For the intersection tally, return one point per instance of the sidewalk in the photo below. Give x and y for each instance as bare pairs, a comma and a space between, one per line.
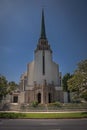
43, 111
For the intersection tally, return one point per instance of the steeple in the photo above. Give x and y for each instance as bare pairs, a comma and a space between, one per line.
43, 42
43, 33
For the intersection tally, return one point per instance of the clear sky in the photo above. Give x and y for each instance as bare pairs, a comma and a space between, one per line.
20, 24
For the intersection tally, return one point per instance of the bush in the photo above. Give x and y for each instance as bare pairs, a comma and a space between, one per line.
11, 115
22, 107
34, 104
58, 104
55, 104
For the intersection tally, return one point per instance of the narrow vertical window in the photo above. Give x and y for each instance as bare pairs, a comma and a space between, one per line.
43, 63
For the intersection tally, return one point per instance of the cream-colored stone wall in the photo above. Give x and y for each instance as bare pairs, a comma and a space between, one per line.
21, 97
30, 73
35, 70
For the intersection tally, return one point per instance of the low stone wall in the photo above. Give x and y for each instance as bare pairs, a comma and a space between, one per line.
42, 108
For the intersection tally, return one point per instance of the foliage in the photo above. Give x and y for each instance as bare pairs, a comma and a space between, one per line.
11, 115
82, 67
44, 115
22, 107
12, 86
3, 86
34, 104
78, 83
66, 77
54, 104
6, 87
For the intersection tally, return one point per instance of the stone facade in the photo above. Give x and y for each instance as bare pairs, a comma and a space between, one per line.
45, 93
42, 81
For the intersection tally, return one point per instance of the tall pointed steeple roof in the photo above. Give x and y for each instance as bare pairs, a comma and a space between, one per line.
43, 42
43, 33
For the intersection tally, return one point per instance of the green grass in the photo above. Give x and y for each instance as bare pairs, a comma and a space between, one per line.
43, 115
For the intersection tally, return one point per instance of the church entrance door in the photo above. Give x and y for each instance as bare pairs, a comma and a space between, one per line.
15, 99
39, 97
49, 97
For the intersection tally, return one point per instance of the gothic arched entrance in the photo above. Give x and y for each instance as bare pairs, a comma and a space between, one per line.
39, 97
49, 98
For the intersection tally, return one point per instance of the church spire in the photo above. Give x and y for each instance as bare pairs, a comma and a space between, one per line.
43, 42
43, 33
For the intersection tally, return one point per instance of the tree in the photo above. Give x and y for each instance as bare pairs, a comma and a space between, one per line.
3, 86
66, 77
12, 86
6, 87
78, 83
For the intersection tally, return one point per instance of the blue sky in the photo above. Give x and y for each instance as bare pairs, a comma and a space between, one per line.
20, 22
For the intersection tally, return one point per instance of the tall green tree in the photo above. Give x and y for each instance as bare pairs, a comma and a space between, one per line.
12, 86
3, 86
65, 79
78, 83
6, 87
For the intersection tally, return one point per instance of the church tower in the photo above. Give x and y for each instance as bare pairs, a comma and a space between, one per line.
44, 67
43, 76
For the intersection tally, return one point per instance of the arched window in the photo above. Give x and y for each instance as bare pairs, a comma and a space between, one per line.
39, 97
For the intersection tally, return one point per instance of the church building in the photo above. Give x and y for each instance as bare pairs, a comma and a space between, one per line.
42, 81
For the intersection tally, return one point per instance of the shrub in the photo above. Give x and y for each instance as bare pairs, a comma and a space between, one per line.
58, 104
22, 107
11, 115
34, 104
54, 104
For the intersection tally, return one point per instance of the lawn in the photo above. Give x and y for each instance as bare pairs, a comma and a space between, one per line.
43, 115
